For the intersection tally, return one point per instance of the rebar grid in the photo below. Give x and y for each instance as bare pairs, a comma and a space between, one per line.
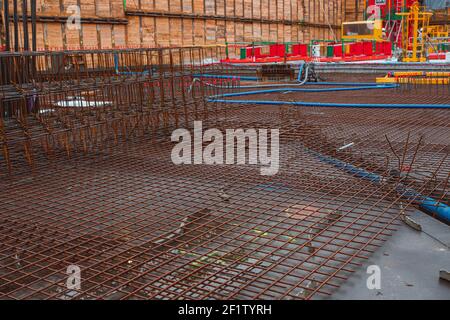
108, 198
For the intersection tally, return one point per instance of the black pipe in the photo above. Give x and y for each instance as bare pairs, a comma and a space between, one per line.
26, 46
16, 27
33, 25
7, 41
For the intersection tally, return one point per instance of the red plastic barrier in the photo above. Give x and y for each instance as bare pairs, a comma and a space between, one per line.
277, 50
387, 48
368, 48
379, 48
437, 56
300, 50
337, 50
256, 53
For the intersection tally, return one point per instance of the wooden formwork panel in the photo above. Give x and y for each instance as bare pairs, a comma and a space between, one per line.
103, 8
230, 32
119, 36
272, 10
257, 33
248, 32
105, 35
148, 32
265, 9
90, 36
210, 7
87, 8
53, 36
161, 5
66, 5
239, 8
133, 32
199, 32
134, 5
229, 10
239, 32
175, 6
117, 10
265, 31
220, 7
210, 32
248, 9
188, 32
187, 6
199, 6
273, 32
72, 37
220, 31
176, 32
280, 9
162, 31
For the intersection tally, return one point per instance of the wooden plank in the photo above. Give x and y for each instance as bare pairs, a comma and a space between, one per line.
188, 32
175, 6
176, 32
87, 8
162, 6
133, 32
102, 8
220, 7
54, 36
90, 36
239, 8
210, 35
248, 32
148, 32
257, 33
72, 38
199, 6
187, 6
199, 32
210, 7
220, 32
162, 31
119, 36
265, 9
105, 36
248, 9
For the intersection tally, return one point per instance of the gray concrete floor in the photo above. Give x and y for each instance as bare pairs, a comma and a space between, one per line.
410, 262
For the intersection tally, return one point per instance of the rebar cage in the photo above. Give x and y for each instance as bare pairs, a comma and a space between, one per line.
87, 181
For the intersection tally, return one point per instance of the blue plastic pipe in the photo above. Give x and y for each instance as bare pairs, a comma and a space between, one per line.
246, 93
335, 105
441, 210
220, 76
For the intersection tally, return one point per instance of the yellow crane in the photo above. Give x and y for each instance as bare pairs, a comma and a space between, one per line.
414, 23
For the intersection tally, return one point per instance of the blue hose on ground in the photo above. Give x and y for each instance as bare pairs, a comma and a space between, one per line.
287, 88
365, 86
441, 210
336, 105
220, 76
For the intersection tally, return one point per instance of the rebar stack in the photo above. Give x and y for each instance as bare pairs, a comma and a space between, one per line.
87, 180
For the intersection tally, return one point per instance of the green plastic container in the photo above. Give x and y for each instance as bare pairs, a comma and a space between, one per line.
330, 51
243, 53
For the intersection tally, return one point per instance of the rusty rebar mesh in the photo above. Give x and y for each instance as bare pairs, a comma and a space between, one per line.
99, 191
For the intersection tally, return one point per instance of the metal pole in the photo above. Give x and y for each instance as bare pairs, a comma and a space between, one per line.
16, 27
33, 25
26, 47
7, 41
